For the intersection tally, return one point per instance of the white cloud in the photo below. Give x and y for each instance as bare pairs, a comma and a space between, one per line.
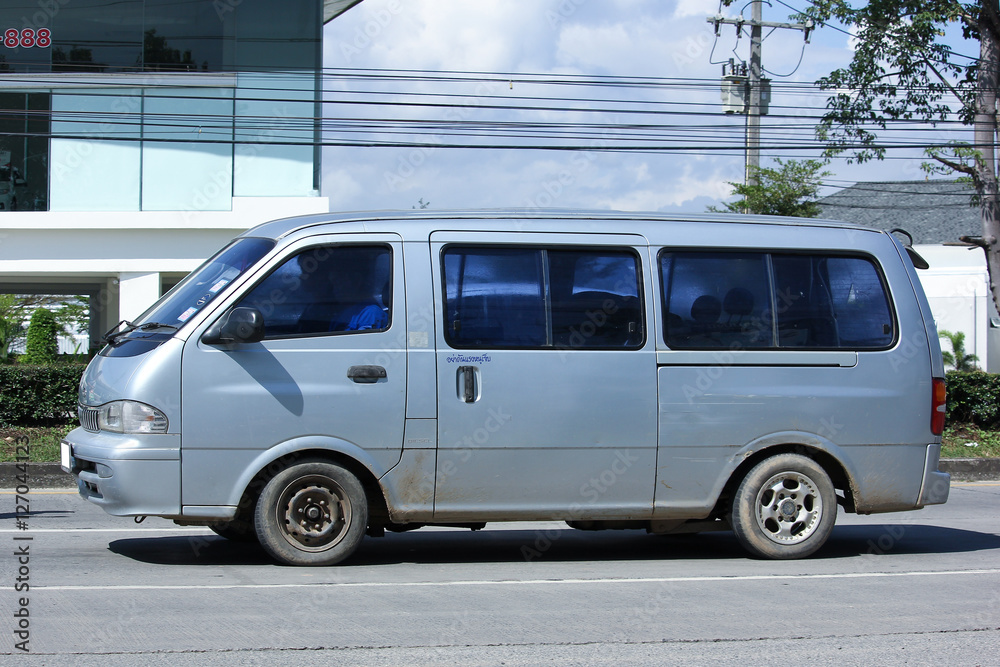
341, 186
640, 172
588, 47
691, 189
494, 35
699, 8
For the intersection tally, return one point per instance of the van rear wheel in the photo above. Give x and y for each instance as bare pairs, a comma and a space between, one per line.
312, 513
784, 508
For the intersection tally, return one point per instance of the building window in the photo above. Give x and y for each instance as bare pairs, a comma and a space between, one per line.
24, 151
154, 146
161, 36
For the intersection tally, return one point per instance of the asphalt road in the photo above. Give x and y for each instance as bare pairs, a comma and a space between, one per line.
909, 588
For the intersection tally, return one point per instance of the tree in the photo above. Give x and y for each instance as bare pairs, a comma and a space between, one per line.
42, 345
11, 325
158, 55
72, 315
902, 69
958, 358
789, 189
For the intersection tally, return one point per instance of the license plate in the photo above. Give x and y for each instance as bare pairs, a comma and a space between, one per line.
66, 456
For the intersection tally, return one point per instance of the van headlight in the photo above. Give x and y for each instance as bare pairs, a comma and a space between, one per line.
130, 417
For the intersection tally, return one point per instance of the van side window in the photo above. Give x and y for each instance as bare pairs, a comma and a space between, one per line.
324, 290
859, 302
737, 300
716, 300
595, 299
542, 298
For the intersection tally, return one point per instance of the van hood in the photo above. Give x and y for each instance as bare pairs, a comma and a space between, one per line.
114, 378
106, 379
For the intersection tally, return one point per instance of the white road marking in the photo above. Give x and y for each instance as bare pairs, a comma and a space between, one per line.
179, 529
525, 582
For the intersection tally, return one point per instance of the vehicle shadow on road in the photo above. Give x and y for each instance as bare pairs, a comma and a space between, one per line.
190, 550
888, 539
5, 516
447, 546
557, 545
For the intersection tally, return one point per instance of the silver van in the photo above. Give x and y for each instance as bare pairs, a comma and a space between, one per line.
326, 377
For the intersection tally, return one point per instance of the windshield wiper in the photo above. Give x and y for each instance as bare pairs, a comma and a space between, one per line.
111, 338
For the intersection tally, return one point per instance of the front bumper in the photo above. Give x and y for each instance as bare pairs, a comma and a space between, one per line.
126, 475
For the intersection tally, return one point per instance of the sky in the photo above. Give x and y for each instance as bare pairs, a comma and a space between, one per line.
528, 52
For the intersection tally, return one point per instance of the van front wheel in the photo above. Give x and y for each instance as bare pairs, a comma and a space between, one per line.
313, 513
784, 508
236, 530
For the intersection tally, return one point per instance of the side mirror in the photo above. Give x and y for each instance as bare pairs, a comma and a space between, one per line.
20, 182
239, 325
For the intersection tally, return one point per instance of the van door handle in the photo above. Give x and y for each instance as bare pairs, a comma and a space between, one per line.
366, 374
468, 383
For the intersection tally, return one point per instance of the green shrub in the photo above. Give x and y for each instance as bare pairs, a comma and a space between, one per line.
38, 394
974, 398
42, 346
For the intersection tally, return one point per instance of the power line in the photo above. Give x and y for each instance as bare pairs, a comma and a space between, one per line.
408, 117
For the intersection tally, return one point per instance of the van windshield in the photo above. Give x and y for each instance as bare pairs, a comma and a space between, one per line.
204, 284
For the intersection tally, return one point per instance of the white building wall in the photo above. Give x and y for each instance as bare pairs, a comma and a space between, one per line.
957, 288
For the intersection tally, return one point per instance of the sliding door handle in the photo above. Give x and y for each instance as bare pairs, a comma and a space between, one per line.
468, 383
366, 374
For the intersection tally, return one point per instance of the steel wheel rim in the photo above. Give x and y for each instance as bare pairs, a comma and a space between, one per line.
789, 507
314, 513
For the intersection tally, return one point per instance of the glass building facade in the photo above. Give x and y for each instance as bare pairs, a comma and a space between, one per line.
159, 105
160, 35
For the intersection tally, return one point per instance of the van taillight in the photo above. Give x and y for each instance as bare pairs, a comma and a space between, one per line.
939, 404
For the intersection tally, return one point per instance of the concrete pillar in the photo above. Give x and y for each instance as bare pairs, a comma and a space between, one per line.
136, 293
97, 318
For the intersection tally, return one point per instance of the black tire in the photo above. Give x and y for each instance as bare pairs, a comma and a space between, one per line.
784, 508
312, 513
241, 527
236, 530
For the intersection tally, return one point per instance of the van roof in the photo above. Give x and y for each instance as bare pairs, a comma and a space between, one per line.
559, 220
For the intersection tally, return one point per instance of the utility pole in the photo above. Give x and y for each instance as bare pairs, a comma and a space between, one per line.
753, 107
753, 115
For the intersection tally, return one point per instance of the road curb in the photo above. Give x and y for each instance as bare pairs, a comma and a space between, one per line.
51, 476
971, 470
40, 476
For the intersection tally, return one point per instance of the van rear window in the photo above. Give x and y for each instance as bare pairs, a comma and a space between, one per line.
517, 297
759, 300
